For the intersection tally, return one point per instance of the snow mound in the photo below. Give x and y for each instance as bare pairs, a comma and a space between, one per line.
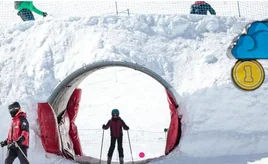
186, 50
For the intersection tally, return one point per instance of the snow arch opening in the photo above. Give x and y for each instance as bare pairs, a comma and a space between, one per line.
57, 134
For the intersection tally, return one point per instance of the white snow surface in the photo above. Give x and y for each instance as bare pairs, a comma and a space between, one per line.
221, 123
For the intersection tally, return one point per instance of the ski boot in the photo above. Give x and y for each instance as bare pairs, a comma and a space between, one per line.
121, 160
109, 160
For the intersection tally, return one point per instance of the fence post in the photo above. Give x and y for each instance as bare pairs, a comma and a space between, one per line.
128, 12
238, 7
116, 9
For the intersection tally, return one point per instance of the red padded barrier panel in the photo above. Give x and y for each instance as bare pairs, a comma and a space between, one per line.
72, 108
49, 129
67, 144
174, 131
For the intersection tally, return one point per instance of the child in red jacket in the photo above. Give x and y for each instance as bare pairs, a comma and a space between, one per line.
116, 124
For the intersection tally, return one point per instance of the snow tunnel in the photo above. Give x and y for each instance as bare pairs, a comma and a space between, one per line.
57, 116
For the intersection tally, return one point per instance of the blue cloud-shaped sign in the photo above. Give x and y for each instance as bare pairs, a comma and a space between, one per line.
253, 44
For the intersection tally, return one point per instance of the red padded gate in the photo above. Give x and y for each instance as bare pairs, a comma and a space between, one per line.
67, 144
174, 132
72, 108
49, 129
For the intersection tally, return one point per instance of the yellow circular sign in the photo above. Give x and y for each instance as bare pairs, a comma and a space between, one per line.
248, 75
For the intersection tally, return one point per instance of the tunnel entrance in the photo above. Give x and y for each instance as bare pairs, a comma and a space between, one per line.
57, 115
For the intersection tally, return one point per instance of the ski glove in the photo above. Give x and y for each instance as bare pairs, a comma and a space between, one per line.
165, 130
103, 126
3, 143
44, 14
11, 146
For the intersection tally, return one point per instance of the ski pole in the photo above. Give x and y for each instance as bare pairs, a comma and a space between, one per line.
2, 155
130, 147
101, 145
21, 151
165, 130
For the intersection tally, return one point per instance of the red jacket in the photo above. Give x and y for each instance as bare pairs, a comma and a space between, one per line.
19, 130
199, 2
115, 126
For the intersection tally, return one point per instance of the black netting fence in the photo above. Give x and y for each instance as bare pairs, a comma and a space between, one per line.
248, 9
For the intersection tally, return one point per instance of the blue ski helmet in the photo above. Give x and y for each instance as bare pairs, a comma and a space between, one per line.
115, 111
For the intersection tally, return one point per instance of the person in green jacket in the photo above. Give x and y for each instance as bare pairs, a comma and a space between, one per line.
25, 9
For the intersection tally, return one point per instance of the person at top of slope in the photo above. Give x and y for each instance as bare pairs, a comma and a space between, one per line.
115, 124
201, 8
25, 9
17, 141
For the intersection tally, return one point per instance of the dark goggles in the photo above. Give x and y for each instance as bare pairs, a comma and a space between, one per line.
14, 109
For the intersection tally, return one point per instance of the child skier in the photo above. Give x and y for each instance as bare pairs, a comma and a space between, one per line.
17, 141
115, 124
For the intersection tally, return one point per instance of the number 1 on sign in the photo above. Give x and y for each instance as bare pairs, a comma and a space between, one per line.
248, 75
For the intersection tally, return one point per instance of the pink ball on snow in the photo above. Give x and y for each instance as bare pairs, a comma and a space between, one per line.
141, 154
